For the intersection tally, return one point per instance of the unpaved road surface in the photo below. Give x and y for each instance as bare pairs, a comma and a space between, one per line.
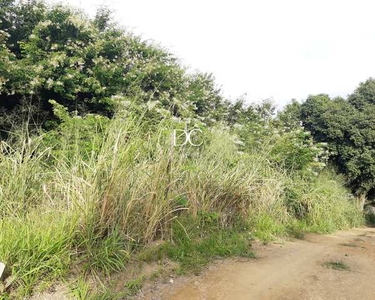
289, 270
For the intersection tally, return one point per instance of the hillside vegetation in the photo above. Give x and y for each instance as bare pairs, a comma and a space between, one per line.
89, 177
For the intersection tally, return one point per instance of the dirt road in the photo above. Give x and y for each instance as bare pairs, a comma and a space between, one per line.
288, 270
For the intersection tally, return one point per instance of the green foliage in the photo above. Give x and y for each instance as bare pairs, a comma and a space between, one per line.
38, 247
104, 253
348, 128
80, 289
328, 205
91, 66
290, 116
133, 286
75, 136
103, 18
196, 242
88, 175
134, 188
289, 146
266, 227
363, 97
308, 204
296, 151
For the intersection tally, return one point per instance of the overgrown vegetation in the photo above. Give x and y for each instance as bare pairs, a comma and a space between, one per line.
195, 242
66, 205
88, 175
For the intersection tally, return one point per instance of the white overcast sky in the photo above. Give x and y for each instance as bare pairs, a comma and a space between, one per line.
265, 48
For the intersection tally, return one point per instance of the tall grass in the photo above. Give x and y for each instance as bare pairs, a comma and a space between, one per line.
92, 201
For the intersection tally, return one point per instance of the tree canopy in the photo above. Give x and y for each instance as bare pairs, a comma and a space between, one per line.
348, 126
90, 66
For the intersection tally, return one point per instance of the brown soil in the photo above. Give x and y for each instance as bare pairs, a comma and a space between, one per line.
289, 270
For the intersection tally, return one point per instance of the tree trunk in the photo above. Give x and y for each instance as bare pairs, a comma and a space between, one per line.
362, 200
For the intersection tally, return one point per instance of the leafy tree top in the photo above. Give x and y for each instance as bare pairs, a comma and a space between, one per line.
92, 66
348, 126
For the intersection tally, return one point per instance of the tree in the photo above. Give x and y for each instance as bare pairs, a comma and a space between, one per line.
364, 95
290, 116
102, 18
348, 126
90, 66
